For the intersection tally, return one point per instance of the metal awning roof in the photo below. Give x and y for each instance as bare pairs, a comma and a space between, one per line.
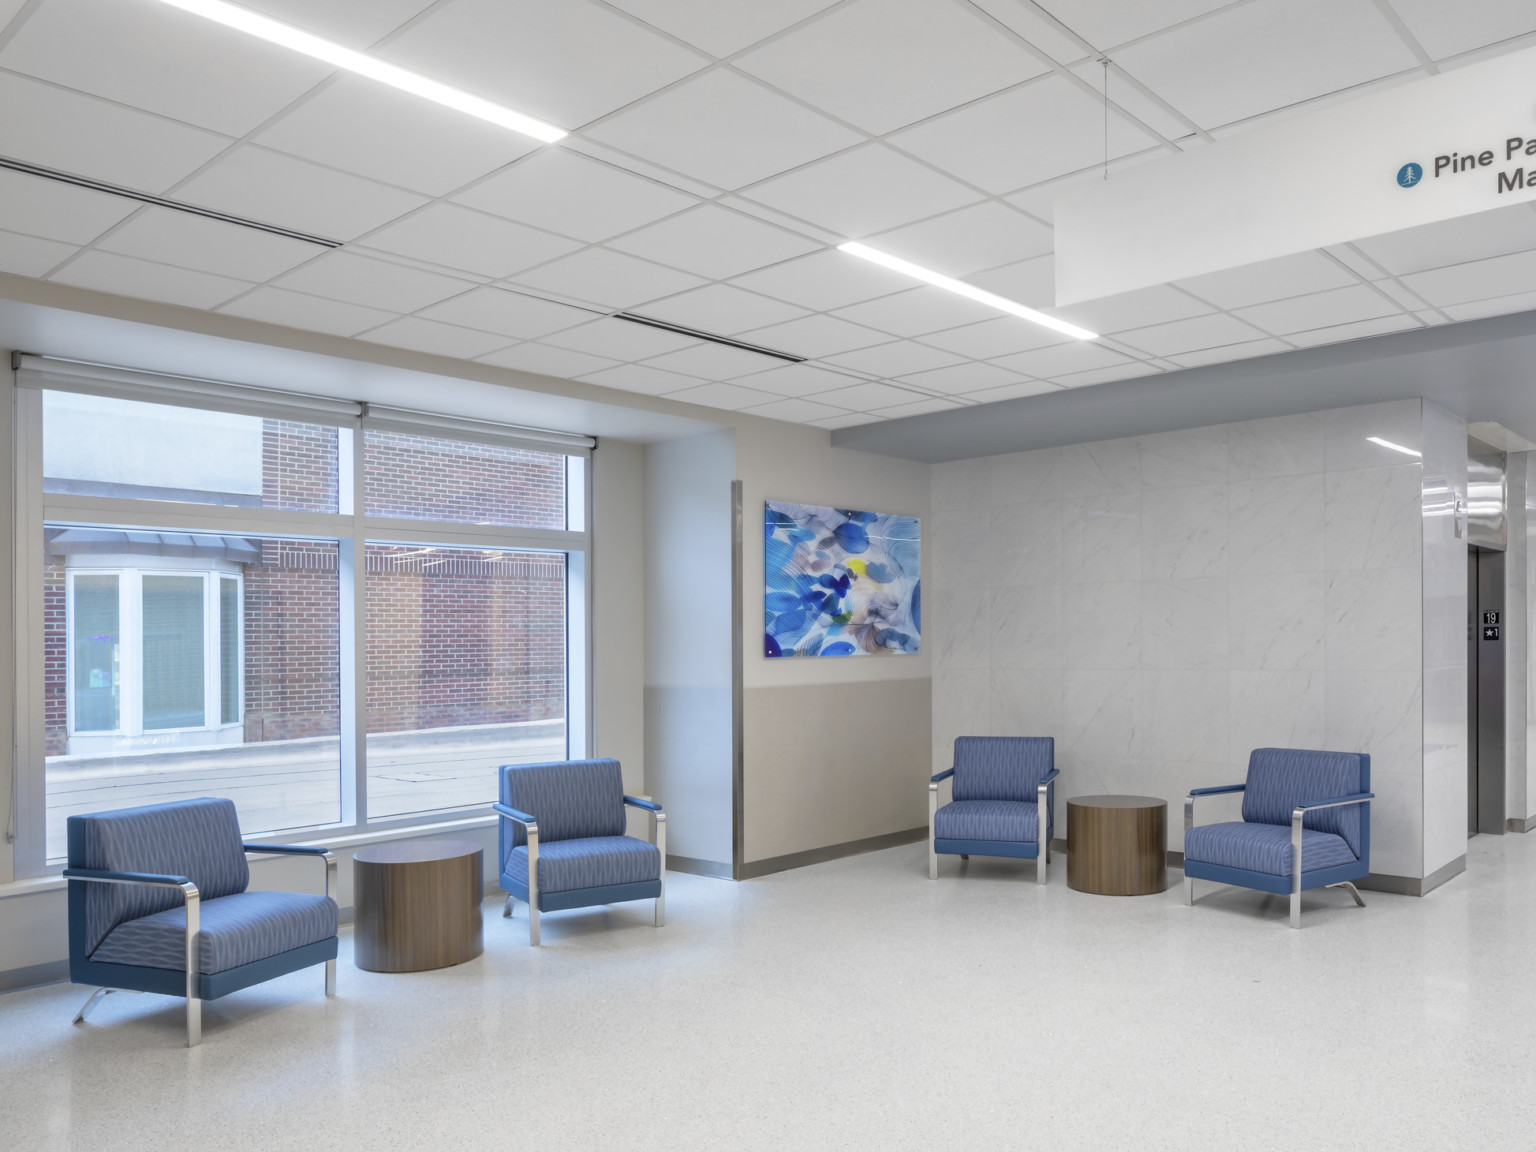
116, 542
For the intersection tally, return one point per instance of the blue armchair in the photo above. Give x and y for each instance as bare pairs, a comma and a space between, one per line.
1306, 824
562, 841
1003, 793
158, 903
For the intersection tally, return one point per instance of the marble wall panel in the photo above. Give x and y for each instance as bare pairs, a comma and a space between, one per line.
1099, 468
1364, 521
1275, 525
1184, 459
1277, 622
1276, 446
1347, 433
1184, 532
1184, 625
1101, 538
1027, 627
1026, 544
1025, 477
1102, 625
1275, 710
1373, 619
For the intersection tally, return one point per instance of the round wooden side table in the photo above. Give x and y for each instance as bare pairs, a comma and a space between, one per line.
1117, 845
417, 905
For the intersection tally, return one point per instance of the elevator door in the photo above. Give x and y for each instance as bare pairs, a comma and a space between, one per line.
1485, 691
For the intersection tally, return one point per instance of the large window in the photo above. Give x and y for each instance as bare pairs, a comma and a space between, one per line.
218, 617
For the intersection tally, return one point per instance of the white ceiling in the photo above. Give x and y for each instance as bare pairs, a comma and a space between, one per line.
719, 149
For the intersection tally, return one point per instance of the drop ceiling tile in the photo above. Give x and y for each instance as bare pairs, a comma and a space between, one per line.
640, 378
899, 358
869, 189
1357, 330
721, 27
728, 396
547, 361
920, 407
1014, 391
1448, 29
1319, 310
1188, 335
722, 310
1076, 356
462, 238
1139, 309
154, 57
1253, 58
714, 362
1029, 282
29, 256
848, 421
1475, 237
1105, 375
880, 64
565, 63
143, 280
700, 128
1498, 306
570, 194
1297, 275
310, 313
796, 380
1041, 199
1108, 23
608, 279
1042, 130
57, 211
372, 283
276, 188
1230, 352
1133, 101
208, 245
959, 243
794, 411
355, 23
962, 379
917, 311
619, 339
1356, 261
373, 131
1475, 280
1001, 336
88, 136
1035, 26
714, 242
507, 313
869, 397
816, 336
824, 281
437, 339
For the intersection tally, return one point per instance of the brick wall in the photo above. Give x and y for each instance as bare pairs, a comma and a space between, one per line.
423, 477
55, 661
292, 641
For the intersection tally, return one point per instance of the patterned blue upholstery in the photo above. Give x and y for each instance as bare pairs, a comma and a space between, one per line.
596, 862
570, 799
198, 839
1011, 820
1264, 847
1281, 778
1001, 767
234, 930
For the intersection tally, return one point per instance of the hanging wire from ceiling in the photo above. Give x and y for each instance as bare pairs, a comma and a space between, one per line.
1105, 61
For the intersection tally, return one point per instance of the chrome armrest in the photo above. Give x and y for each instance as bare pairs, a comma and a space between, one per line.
1299, 814
1189, 801
302, 850
1043, 815
531, 829
658, 824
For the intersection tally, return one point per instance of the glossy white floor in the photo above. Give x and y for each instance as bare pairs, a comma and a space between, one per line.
850, 1005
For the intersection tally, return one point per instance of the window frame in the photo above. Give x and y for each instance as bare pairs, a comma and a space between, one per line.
350, 527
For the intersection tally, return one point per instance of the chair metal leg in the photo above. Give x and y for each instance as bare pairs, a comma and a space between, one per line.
193, 966
194, 1021
1189, 891
330, 977
1042, 862
933, 807
1353, 891
89, 1006
661, 909
1296, 909
1297, 815
963, 856
506, 909
659, 838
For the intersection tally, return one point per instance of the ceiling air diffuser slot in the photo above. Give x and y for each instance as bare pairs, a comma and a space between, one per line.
159, 201
710, 336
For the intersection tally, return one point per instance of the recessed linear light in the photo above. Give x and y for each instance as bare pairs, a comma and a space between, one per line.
1394, 447
160, 201
961, 288
287, 36
668, 326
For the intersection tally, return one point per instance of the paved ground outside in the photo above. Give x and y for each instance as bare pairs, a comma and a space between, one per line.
297, 783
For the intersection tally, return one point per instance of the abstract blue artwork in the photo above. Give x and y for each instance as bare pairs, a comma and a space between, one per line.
841, 582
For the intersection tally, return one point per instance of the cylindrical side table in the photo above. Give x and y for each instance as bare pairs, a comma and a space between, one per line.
417, 905
1117, 845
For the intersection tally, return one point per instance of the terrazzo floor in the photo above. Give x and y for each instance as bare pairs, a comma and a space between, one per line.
851, 1005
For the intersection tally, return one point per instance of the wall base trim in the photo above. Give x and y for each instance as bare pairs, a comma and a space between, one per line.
35, 976
1413, 885
695, 867
752, 869
1516, 824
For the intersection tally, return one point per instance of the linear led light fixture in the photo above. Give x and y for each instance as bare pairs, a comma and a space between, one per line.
667, 326
1395, 447
287, 36
159, 201
961, 288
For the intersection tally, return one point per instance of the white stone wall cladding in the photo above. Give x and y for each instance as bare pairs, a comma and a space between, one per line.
1166, 603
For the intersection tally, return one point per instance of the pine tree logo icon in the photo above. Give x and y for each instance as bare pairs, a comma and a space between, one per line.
1410, 174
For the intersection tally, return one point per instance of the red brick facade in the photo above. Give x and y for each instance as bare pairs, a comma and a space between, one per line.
425, 478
